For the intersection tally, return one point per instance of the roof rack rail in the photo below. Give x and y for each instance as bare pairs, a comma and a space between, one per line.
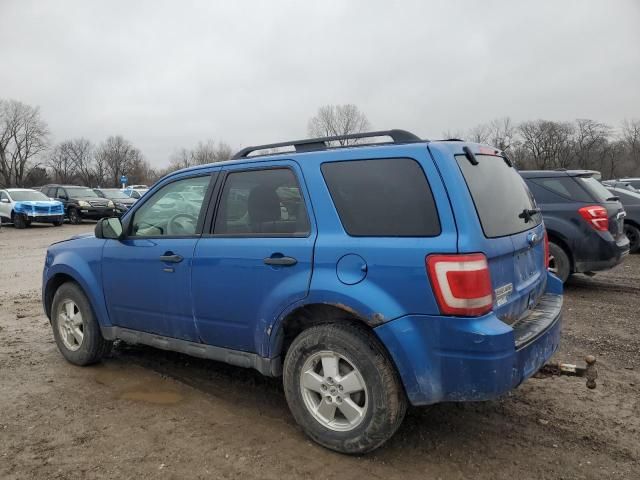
321, 143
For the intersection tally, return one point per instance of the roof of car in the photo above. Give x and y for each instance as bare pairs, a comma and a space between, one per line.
20, 189
556, 173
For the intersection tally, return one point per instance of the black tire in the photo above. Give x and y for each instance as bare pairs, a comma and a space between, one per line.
93, 345
386, 402
19, 221
633, 234
58, 223
74, 216
559, 262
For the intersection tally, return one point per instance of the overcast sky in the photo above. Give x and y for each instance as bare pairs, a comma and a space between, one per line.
168, 74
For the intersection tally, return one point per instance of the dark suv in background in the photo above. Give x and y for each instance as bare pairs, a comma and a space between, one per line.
80, 202
584, 221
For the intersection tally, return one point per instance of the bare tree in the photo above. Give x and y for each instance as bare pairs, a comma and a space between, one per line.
502, 134
23, 136
118, 157
210, 152
546, 144
479, 134
61, 163
589, 142
631, 140
335, 120
81, 153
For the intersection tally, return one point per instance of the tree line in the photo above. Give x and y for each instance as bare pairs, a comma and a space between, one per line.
29, 158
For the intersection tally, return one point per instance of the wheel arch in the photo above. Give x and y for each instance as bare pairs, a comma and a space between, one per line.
304, 316
559, 240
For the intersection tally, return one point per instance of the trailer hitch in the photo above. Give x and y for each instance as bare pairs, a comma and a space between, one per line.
556, 369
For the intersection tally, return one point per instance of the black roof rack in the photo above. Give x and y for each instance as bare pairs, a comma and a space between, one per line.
321, 143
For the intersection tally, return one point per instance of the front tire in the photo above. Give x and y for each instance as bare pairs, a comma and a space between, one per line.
19, 221
559, 263
58, 223
74, 216
342, 389
633, 234
75, 328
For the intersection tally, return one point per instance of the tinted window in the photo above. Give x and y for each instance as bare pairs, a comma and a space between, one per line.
172, 210
61, 193
262, 202
593, 186
382, 198
564, 187
500, 196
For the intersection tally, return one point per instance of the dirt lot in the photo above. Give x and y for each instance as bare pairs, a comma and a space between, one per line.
144, 413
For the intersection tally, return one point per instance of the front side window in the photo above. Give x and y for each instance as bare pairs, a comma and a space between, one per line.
172, 211
262, 203
382, 198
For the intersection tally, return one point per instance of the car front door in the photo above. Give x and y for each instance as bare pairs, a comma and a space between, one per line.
256, 259
147, 275
5, 205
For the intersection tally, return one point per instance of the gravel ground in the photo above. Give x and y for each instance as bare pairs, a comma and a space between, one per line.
144, 413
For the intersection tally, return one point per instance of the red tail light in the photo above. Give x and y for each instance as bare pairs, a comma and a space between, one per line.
546, 249
461, 283
596, 216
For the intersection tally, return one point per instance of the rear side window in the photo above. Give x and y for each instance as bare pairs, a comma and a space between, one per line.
593, 186
565, 187
382, 198
502, 199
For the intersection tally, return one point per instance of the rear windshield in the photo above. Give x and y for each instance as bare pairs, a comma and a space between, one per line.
595, 188
502, 199
382, 198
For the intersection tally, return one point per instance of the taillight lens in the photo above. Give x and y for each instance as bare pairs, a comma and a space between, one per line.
461, 283
596, 216
546, 249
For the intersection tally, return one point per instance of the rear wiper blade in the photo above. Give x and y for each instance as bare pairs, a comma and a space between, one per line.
613, 199
528, 213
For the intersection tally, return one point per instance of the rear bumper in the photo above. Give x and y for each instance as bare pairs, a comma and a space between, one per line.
603, 254
469, 359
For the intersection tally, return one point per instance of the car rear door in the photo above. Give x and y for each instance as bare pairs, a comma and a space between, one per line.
257, 257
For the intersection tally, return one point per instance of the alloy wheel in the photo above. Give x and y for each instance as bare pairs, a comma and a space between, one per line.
334, 391
70, 325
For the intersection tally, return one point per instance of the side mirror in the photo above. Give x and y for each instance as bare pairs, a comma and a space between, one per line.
110, 228
5, 200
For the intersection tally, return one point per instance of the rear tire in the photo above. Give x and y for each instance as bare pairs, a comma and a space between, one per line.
74, 216
633, 234
342, 389
559, 263
75, 328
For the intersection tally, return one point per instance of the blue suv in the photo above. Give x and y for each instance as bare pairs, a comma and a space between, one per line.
368, 276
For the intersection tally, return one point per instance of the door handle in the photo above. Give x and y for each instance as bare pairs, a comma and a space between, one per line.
171, 258
281, 261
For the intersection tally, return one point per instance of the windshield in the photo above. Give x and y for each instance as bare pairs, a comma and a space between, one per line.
503, 201
595, 188
81, 192
113, 193
28, 196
